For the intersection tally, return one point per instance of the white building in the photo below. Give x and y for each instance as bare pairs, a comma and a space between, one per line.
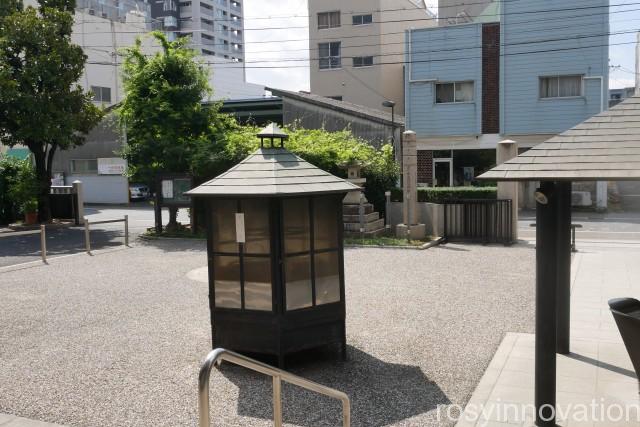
357, 48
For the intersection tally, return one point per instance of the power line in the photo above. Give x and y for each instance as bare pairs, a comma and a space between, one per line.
404, 62
475, 47
402, 32
309, 49
413, 20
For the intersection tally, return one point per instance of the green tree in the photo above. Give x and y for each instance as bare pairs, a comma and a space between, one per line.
168, 129
41, 105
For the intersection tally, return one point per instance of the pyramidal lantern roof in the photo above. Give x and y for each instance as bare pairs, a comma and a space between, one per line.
604, 147
273, 171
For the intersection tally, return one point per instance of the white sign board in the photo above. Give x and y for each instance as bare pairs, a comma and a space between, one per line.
112, 166
240, 228
167, 189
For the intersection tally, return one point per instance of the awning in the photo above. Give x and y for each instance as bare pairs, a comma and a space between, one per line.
19, 153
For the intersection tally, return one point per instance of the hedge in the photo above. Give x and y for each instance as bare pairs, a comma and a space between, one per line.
440, 194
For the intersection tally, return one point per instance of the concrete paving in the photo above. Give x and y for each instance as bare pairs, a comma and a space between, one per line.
117, 339
596, 382
7, 420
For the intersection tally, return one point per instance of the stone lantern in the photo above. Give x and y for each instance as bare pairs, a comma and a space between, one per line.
275, 252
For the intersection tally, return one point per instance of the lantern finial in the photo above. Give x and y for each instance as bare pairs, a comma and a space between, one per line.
272, 132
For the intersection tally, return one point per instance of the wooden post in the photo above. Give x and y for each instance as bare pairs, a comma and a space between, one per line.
563, 242
87, 238
43, 243
546, 312
126, 230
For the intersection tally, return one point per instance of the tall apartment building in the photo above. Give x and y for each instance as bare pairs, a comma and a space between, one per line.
216, 27
357, 48
115, 10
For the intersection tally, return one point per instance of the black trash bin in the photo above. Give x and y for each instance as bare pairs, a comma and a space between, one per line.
626, 312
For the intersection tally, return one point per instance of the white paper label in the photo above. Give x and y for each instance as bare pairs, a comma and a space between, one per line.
167, 189
240, 228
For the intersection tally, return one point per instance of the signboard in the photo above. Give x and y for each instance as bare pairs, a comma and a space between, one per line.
167, 189
172, 190
112, 166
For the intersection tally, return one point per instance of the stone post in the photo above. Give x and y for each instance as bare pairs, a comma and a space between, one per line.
602, 196
78, 190
507, 150
411, 222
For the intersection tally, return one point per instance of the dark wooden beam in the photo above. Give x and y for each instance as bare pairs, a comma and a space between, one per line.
563, 257
546, 296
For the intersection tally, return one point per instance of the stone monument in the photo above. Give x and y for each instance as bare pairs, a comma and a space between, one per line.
359, 216
411, 227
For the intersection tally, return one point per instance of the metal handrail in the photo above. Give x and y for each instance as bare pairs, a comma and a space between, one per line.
43, 238
278, 375
87, 230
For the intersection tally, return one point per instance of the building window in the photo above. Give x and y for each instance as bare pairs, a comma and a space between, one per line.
454, 92
328, 20
330, 56
362, 19
336, 97
101, 94
84, 166
362, 61
560, 86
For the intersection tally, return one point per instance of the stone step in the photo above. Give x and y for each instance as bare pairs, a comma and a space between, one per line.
373, 233
369, 226
373, 216
355, 209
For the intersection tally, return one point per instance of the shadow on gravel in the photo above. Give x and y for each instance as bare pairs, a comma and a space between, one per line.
381, 393
60, 241
174, 245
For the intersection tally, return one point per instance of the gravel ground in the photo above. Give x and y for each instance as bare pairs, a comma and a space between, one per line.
116, 339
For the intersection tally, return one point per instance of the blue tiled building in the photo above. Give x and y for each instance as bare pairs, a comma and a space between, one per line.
523, 70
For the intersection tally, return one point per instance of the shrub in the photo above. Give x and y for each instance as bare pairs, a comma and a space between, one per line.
18, 188
331, 151
441, 194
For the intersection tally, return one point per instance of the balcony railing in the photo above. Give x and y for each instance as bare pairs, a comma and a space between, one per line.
206, 11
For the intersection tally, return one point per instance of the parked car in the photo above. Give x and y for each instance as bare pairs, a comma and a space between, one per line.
138, 192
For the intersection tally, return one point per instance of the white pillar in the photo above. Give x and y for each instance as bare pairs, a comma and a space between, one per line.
507, 150
602, 195
638, 64
77, 188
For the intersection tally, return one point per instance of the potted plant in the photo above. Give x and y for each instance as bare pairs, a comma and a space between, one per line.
30, 209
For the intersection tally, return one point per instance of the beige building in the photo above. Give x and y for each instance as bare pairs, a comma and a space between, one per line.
357, 48
454, 12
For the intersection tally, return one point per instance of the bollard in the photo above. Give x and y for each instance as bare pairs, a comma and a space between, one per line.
126, 230
361, 215
387, 210
43, 243
277, 401
87, 240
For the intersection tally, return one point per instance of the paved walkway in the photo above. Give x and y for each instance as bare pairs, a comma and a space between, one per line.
596, 382
7, 420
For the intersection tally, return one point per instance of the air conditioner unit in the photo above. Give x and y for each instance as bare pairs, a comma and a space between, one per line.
581, 198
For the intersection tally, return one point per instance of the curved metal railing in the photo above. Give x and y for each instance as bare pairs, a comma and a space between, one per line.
218, 355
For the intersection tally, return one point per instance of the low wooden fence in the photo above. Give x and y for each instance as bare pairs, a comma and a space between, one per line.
479, 221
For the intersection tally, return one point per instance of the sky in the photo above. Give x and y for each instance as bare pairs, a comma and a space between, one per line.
287, 20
